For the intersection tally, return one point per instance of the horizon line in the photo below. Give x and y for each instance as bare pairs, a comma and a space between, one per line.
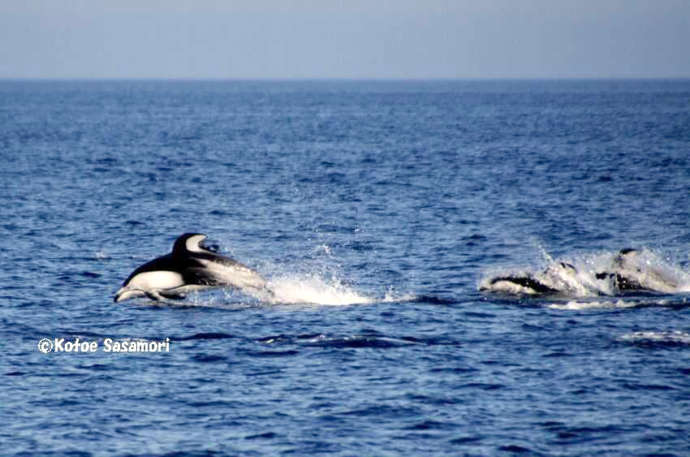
338, 79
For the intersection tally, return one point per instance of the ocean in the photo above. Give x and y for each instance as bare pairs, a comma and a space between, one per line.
384, 216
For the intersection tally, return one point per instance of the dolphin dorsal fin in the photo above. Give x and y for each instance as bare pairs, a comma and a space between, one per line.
189, 242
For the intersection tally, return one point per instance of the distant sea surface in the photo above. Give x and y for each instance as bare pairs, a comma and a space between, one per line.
374, 210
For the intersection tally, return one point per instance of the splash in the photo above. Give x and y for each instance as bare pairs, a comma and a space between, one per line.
311, 289
613, 274
316, 280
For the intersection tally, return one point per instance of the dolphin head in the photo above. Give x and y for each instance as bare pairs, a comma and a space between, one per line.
125, 293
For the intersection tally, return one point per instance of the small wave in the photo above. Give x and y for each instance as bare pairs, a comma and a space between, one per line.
663, 338
102, 255
209, 358
271, 354
428, 299
594, 304
205, 336
283, 339
364, 340
579, 305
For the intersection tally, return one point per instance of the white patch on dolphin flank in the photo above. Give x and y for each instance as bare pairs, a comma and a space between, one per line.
156, 280
506, 286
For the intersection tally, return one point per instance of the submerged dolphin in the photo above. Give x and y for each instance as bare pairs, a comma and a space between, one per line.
190, 266
629, 272
531, 284
518, 285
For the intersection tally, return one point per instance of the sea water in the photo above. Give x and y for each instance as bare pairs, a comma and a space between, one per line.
374, 210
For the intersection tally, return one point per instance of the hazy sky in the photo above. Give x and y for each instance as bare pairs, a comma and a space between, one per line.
344, 39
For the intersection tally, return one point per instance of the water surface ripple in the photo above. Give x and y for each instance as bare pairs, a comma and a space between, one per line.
378, 207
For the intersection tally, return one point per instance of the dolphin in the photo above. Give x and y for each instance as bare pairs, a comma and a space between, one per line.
548, 282
190, 266
630, 274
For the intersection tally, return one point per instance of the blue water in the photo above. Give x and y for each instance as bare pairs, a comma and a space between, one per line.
376, 209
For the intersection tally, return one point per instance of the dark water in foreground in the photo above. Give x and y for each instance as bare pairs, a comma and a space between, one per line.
375, 210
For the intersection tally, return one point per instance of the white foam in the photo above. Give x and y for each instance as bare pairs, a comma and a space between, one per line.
316, 290
102, 255
675, 336
313, 290
594, 304
392, 296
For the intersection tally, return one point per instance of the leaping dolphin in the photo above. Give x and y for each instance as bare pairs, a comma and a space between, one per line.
190, 266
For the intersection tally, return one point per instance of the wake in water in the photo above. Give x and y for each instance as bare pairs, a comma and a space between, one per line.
313, 289
628, 272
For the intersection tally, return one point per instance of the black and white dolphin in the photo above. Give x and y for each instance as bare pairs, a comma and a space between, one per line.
629, 274
190, 266
549, 282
